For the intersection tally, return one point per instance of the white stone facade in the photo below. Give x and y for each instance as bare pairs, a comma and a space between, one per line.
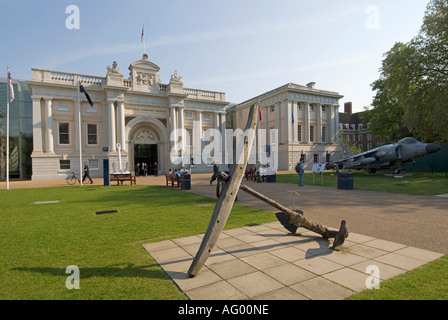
307, 120
139, 113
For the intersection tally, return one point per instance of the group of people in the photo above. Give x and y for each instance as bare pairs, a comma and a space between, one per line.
143, 169
177, 172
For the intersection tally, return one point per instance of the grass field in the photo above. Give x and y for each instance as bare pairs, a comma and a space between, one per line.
417, 183
39, 241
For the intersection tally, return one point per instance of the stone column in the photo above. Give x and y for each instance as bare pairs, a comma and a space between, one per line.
319, 123
296, 122
331, 126
112, 135
121, 135
306, 111
173, 125
336, 116
180, 118
49, 146
288, 120
37, 126
278, 118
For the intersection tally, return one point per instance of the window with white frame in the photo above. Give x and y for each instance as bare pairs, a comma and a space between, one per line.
63, 106
64, 133
311, 133
64, 164
92, 134
188, 115
91, 109
324, 134
207, 117
93, 164
299, 133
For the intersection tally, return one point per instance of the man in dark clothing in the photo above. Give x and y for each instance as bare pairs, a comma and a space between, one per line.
86, 173
215, 172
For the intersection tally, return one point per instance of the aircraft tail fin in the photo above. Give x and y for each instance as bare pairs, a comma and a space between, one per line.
346, 152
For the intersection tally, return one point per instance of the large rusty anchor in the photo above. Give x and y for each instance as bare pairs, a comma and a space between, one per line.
227, 190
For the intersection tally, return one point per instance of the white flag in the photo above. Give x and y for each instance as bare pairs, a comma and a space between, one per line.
11, 89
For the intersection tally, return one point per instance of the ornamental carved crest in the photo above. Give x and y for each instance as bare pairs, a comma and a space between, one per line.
146, 135
145, 79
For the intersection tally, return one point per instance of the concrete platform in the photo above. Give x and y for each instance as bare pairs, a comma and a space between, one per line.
265, 262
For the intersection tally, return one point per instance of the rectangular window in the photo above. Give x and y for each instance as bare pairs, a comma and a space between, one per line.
93, 164
189, 137
91, 109
316, 158
92, 134
311, 133
299, 133
63, 106
207, 117
64, 133
64, 164
188, 115
324, 134
324, 109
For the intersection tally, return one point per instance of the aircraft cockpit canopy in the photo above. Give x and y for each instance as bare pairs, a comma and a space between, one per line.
408, 141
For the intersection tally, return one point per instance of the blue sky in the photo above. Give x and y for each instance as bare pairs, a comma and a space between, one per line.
241, 47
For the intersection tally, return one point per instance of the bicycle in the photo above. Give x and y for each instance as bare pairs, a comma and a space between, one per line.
71, 180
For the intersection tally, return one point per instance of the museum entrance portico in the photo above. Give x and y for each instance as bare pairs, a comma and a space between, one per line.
148, 143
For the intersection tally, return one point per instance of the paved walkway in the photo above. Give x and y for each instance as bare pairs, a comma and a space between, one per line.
393, 233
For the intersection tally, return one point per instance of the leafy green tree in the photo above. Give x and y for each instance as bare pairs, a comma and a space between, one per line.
411, 93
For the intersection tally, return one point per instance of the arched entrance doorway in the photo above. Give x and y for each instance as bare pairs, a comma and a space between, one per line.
146, 144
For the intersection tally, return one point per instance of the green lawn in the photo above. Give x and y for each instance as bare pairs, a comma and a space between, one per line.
417, 183
429, 282
39, 241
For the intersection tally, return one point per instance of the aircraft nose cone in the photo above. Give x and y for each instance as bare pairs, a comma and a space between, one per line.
433, 148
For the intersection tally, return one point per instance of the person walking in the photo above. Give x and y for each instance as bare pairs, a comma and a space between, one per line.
299, 169
86, 173
215, 172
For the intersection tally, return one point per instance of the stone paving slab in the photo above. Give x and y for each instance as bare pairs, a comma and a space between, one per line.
264, 262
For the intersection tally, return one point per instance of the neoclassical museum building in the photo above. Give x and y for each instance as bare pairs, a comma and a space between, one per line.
137, 119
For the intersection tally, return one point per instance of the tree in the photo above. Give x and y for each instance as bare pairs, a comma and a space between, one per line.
411, 93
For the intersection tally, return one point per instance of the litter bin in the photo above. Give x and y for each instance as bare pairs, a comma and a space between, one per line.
185, 182
345, 180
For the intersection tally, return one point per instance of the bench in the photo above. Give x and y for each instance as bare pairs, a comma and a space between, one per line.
172, 178
120, 178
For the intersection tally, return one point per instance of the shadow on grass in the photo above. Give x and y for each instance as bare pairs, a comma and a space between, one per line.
129, 271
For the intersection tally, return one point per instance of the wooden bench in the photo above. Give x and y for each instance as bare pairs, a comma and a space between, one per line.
172, 178
120, 178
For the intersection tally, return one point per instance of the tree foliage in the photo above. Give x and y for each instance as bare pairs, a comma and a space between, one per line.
412, 91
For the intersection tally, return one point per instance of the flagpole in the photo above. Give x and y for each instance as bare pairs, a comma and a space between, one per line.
143, 39
79, 132
7, 128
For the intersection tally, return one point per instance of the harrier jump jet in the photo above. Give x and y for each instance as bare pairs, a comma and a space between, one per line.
388, 156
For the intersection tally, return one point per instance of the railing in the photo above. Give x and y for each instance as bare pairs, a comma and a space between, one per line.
202, 94
72, 79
